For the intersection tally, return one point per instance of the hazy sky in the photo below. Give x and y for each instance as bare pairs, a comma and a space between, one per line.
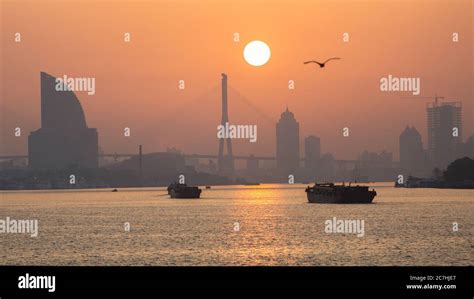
137, 82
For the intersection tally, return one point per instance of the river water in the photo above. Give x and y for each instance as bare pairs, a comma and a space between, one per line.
237, 225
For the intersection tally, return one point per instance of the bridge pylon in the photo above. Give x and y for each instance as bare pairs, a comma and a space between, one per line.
225, 162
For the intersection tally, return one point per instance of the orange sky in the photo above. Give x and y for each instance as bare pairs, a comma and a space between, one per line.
137, 82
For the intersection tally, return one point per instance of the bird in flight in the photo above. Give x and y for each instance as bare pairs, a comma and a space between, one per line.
322, 64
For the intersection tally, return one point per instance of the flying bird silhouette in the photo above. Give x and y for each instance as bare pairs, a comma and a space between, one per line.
322, 64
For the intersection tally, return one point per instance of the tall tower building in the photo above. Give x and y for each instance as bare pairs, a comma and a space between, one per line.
312, 151
444, 132
64, 140
287, 143
225, 162
411, 151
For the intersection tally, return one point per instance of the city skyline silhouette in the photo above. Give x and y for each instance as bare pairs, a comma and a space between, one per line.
146, 98
64, 141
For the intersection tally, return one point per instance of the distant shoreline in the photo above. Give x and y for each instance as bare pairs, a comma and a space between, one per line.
383, 184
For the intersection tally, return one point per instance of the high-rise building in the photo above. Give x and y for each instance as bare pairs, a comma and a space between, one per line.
312, 151
411, 151
64, 140
444, 132
287, 143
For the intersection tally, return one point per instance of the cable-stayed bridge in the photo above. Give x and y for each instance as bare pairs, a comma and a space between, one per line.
225, 157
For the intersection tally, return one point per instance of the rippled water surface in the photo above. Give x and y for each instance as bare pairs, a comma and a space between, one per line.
237, 225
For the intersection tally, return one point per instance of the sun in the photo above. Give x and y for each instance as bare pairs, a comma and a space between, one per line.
257, 53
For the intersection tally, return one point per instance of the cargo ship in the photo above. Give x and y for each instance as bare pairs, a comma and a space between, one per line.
177, 190
330, 193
